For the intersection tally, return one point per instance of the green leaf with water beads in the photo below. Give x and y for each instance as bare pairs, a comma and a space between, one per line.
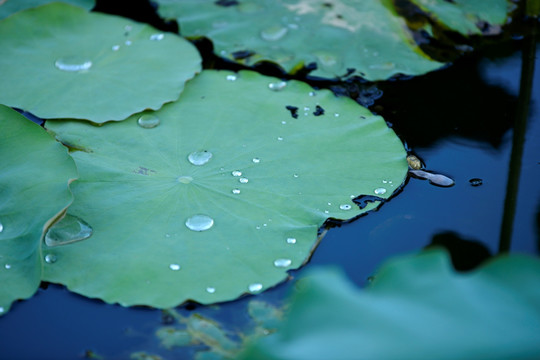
467, 17
417, 308
8, 7
337, 35
34, 174
222, 193
59, 61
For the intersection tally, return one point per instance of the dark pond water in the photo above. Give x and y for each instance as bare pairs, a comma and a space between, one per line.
459, 121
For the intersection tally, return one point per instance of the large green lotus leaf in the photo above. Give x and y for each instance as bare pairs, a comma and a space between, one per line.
138, 188
8, 7
59, 61
417, 308
335, 34
34, 175
464, 16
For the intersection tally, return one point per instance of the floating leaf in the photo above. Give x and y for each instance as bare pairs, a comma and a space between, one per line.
172, 223
337, 35
435, 179
59, 61
467, 17
8, 7
417, 308
34, 175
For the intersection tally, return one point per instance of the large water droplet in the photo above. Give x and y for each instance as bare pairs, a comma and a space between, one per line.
157, 37
73, 63
243, 180
185, 179
380, 191
291, 240
255, 287
199, 222
50, 258
69, 229
199, 157
274, 33
236, 173
174, 267
210, 290
345, 207
277, 86
282, 263
148, 121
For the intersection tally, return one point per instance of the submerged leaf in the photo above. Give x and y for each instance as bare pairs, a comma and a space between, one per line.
224, 196
417, 308
59, 61
34, 175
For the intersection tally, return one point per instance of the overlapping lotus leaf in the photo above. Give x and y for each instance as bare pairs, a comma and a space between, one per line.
219, 193
417, 308
59, 61
467, 17
34, 174
8, 7
337, 35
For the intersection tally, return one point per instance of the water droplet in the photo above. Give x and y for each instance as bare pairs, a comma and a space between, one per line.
231, 77
243, 180
50, 258
128, 28
295, 175
291, 240
473, 182
1, 227
236, 191
199, 222
336, 114
256, 160
236, 173
7, 266
157, 37
174, 267
210, 290
306, 108
185, 179
1, 309
282, 263
274, 33
73, 63
255, 287
284, 122
199, 157
380, 191
312, 93
385, 181
345, 207
280, 138
277, 86
128, 42
68, 230
167, 235
148, 121
116, 47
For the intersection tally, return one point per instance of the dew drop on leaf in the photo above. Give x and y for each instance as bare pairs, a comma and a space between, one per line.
68, 230
185, 179
243, 180
50, 258
148, 121
199, 157
236, 173
345, 207
73, 64
274, 33
277, 86
199, 222
157, 37
291, 240
282, 263
116, 47
174, 267
7, 266
236, 191
1, 227
380, 191
255, 287
210, 290
231, 77
256, 160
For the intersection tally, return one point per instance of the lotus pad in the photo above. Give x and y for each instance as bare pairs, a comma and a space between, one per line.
8, 7
34, 175
367, 36
59, 61
417, 308
229, 159
466, 17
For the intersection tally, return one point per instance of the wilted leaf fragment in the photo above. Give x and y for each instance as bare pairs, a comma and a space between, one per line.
417, 308
172, 223
89, 65
34, 174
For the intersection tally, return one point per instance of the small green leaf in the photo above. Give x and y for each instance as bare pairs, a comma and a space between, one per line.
59, 61
34, 175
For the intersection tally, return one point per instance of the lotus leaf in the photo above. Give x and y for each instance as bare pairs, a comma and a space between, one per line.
467, 17
8, 7
219, 193
59, 61
337, 35
34, 175
417, 308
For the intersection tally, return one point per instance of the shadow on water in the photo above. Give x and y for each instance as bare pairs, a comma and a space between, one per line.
459, 120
